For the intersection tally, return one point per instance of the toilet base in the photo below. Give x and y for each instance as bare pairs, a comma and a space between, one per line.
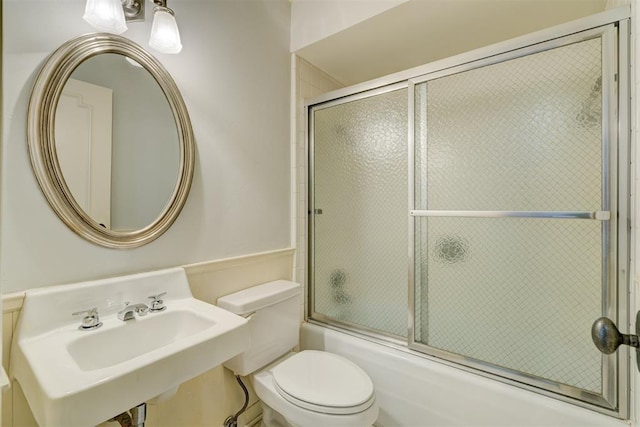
273, 418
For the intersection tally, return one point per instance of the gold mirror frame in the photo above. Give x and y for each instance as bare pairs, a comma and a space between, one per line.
43, 103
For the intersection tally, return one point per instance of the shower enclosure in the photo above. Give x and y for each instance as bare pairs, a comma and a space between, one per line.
476, 210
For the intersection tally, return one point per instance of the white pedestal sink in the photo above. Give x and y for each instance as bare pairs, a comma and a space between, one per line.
74, 377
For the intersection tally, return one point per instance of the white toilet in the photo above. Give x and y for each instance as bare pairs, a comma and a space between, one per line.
305, 389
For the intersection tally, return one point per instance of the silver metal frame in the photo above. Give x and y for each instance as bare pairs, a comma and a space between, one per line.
358, 96
41, 139
616, 129
610, 366
622, 263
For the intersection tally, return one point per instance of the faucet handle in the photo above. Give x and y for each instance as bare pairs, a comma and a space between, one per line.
90, 312
90, 321
157, 304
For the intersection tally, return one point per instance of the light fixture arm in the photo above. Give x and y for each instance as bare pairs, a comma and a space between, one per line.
162, 5
133, 10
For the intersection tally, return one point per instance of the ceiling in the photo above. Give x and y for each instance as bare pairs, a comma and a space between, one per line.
422, 31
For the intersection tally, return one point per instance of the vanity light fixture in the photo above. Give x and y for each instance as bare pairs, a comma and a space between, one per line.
111, 16
105, 15
165, 36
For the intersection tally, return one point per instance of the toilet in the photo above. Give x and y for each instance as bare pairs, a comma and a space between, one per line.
306, 389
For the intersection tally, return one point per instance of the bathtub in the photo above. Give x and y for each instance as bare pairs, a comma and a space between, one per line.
415, 391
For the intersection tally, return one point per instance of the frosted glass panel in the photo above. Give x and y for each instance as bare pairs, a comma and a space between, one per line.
520, 135
360, 239
517, 293
525, 134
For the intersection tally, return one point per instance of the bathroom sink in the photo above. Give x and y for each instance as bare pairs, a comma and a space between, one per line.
74, 377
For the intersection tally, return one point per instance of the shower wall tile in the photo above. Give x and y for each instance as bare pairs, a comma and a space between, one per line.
308, 90
310, 82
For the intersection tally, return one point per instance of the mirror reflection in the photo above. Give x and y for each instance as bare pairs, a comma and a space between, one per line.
117, 142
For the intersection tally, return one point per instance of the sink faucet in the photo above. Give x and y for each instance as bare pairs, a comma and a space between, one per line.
90, 321
129, 310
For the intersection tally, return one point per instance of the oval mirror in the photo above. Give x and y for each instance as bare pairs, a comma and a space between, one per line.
110, 141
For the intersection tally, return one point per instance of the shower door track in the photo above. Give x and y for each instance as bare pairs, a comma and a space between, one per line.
617, 401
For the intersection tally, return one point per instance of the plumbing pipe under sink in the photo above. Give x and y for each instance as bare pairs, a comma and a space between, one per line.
136, 419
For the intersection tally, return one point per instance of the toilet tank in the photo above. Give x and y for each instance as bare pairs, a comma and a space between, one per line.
274, 310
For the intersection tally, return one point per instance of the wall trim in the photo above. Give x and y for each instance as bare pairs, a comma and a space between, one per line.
225, 263
13, 301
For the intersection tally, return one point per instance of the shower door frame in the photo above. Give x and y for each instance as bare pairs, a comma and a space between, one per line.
616, 389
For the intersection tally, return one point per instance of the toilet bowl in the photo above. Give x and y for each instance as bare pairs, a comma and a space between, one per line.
306, 389
315, 388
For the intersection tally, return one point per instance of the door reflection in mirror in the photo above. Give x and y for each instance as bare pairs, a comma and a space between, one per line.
120, 158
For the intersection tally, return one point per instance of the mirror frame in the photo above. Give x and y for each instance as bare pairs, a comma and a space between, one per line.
43, 103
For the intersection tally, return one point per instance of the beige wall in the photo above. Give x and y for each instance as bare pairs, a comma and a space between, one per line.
313, 20
206, 400
240, 198
234, 75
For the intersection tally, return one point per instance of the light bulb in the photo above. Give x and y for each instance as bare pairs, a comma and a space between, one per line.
105, 15
165, 37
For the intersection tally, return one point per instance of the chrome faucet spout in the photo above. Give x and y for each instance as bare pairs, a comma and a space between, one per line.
141, 309
126, 314
129, 311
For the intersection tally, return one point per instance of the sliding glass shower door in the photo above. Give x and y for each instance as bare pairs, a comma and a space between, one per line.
478, 214
515, 215
359, 250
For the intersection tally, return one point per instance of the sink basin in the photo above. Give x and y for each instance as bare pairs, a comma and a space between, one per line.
105, 348
74, 377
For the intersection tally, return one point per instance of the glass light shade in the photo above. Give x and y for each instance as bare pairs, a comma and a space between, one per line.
165, 37
105, 15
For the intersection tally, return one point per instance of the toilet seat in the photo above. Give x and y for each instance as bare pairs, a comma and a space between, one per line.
323, 382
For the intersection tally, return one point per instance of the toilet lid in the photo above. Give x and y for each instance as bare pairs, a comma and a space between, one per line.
323, 382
